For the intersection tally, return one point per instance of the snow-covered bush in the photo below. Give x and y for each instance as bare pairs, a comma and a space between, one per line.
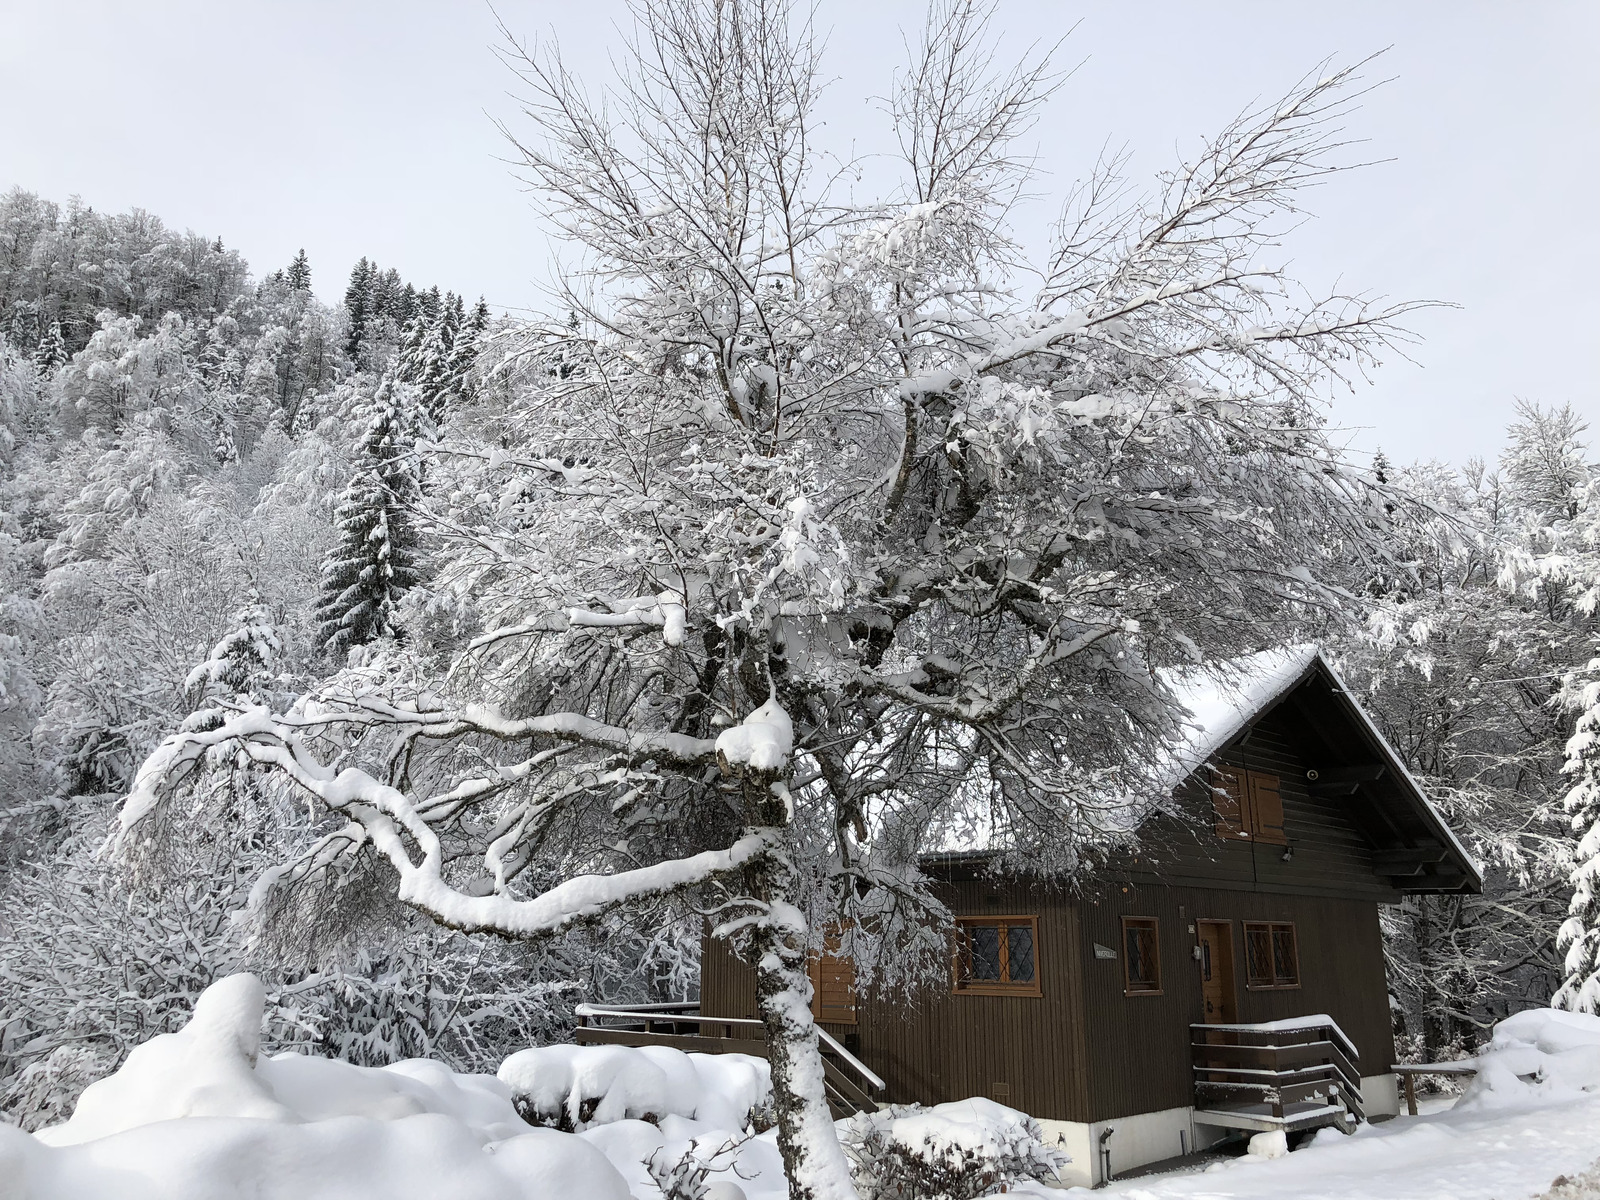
292, 1127
44, 1092
954, 1151
689, 1175
576, 1087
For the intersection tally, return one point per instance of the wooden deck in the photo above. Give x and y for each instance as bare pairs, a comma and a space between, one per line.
848, 1081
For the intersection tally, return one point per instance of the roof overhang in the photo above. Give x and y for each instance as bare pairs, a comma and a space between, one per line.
1412, 845
1413, 848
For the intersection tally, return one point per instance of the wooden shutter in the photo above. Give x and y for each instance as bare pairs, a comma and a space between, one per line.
1230, 800
1266, 809
833, 990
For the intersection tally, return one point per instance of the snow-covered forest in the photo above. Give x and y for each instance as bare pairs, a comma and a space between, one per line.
446, 669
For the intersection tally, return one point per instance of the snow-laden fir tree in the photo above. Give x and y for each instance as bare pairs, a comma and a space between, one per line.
240, 667
1579, 938
51, 352
298, 276
375, 561
428, 355
818, 536
360, 305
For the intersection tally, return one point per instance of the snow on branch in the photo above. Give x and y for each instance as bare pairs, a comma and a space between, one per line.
388, 818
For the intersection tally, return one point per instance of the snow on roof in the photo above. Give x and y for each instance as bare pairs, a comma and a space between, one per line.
1222, 698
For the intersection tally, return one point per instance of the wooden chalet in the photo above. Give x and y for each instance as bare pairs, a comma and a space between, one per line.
1227, 975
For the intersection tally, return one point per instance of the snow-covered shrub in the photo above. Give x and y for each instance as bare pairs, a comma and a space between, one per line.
954, 1151
44, 1092
292, 1127
689, 1175
573, 1088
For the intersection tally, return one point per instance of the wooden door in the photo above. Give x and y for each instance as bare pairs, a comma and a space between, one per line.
1216, 971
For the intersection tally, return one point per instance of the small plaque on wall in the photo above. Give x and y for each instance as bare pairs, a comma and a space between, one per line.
1103, 951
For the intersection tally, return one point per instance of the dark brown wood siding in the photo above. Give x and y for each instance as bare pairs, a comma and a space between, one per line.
1138, 1046
1328, 855
1026, 1051
1084, 1051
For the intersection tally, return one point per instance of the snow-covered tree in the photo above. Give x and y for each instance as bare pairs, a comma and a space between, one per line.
814, 540
1463, 665
1580, 934
359, 304
51, 352
375, 562
298, 276
428, 355
1460, 674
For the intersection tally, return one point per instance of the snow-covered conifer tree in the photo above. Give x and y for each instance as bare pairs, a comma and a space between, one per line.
375, 561
299, 273
1579, 938
427, 357
51, 352
360, 308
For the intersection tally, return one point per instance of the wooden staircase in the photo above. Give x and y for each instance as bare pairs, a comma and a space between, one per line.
848, 1082
1303, 1073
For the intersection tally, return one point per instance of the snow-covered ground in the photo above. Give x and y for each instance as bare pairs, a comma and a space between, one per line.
1531, 1115
201, 1115
1494, 1154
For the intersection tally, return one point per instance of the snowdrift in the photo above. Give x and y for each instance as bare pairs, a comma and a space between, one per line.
199, 1115
202, 1115
1539, 1055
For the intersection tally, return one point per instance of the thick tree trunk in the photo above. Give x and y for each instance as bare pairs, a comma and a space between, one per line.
812, 1157
813, 1160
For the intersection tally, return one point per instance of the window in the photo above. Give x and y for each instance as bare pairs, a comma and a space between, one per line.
833, 987
997, 956
1248, 806
1141, 956
1272, 960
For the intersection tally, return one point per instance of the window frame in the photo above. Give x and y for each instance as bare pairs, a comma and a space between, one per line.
991, 987
1128, 989
1271, 929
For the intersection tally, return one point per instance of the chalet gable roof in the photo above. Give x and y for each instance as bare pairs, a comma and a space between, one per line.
1413, 845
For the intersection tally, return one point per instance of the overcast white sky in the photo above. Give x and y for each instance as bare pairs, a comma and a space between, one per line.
362, 127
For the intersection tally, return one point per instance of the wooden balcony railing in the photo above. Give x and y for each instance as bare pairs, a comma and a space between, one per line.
849, 1082
1293, 1074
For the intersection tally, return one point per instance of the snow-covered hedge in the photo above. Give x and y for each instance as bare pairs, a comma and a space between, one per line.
955, 1151
575, 1087
291, 1127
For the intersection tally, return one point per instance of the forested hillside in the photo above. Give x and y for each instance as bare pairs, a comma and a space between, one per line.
204, 502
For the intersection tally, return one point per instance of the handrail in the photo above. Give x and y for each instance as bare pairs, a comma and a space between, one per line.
1465, 1066
592, 1010
1215, 1054
861, 1068
668, 1012
1292, 1026
1268, 1060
